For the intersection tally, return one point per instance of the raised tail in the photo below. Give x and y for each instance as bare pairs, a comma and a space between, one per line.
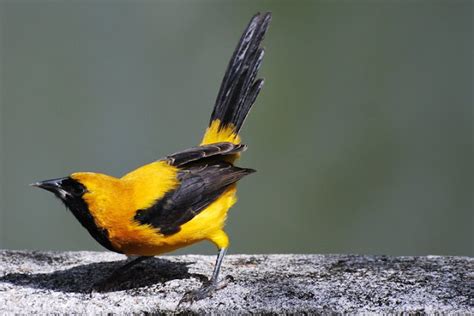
239, 88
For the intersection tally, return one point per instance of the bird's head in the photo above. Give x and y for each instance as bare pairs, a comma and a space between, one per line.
86, 194
80, 187
65, 189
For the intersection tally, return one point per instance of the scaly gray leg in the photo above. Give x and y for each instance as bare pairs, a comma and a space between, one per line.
209, 287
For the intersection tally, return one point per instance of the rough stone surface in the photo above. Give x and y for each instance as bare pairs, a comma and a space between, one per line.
60, 282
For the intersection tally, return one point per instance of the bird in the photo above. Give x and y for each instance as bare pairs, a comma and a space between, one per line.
183, 198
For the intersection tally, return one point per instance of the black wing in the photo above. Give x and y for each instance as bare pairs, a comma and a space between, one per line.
200, 152
200, 185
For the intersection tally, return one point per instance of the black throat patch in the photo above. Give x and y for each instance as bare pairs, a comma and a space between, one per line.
80, 210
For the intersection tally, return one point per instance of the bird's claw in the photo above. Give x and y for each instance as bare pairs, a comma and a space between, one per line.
197, 295
204, 292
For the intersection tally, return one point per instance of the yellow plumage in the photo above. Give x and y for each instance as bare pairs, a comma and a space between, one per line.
139, 189
183, 198
217, 133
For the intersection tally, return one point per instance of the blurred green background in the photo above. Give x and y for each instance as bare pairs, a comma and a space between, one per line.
362, 136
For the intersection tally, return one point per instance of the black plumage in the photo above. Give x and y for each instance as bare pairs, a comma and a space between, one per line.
205, 151
71, 193
205, 172
239, 88
200, 185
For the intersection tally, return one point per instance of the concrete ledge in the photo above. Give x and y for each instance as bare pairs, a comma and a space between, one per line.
60, 281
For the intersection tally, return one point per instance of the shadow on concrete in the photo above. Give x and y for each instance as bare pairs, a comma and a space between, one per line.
81, 279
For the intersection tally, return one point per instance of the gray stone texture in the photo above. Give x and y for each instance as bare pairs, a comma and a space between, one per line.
61, 281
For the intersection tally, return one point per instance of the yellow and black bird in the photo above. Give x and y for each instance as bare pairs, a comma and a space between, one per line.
183, 198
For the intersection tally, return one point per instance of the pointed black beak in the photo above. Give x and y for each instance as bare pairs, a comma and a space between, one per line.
52, 185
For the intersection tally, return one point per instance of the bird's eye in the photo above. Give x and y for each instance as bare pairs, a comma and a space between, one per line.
78, 190
73, 187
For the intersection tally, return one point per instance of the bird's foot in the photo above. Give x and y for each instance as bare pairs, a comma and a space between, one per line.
197, 295
205, 291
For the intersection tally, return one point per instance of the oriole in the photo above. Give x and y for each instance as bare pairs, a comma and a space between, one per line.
183, 198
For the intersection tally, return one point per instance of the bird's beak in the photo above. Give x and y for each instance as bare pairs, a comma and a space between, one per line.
52, 185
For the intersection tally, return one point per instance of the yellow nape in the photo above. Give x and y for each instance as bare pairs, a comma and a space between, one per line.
96, 181
217, 133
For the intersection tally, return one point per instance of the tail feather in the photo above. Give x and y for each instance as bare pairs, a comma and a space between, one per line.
239, 88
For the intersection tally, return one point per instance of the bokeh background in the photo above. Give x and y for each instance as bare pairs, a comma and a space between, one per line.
362, 136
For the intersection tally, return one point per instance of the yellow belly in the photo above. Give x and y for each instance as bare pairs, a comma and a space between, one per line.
145, 240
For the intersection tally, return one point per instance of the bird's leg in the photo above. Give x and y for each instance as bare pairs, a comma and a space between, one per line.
210, 286
106, 284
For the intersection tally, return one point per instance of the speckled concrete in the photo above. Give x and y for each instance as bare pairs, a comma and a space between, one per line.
60, 282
